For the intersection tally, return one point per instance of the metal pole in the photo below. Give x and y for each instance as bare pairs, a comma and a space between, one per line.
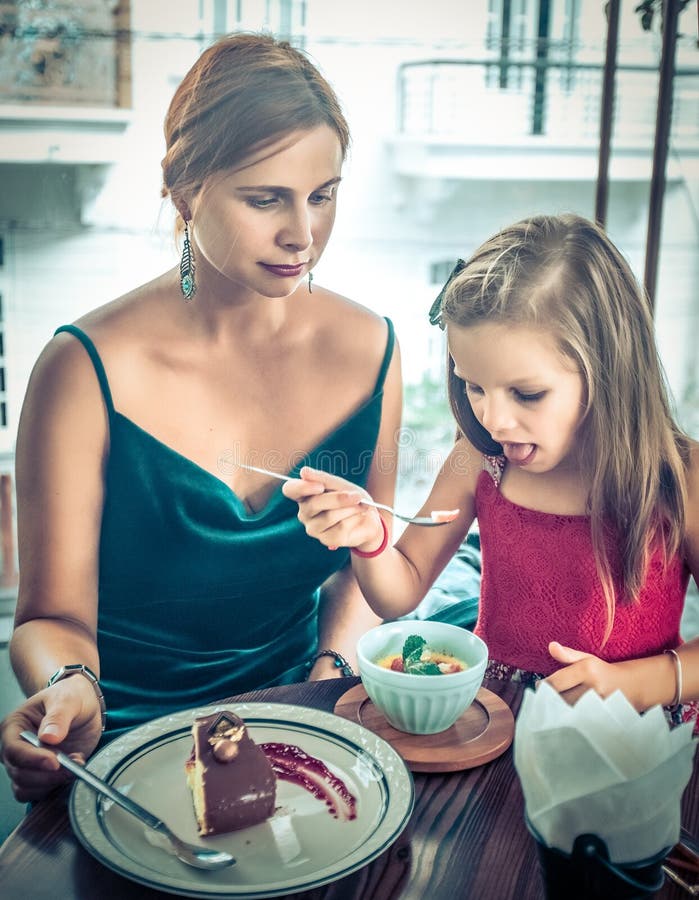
607, 112
505, 42
671, 10
541, 73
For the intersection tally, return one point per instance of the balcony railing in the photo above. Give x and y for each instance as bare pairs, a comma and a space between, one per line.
555, 101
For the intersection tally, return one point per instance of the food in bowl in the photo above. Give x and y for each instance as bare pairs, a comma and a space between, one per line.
411, 702
417, 658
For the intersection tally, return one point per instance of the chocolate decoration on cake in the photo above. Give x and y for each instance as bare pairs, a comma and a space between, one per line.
232, 782
224, 737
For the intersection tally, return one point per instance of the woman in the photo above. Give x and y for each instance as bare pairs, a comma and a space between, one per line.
150, 560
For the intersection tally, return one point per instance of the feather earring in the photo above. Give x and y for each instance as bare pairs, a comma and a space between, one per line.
310, 282
187, 283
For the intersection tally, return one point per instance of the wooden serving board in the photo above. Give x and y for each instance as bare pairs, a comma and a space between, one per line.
482, 733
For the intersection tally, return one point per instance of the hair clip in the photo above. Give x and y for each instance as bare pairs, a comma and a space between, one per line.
436, 308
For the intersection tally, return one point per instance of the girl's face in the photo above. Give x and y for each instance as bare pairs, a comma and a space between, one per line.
527, 395
265, 224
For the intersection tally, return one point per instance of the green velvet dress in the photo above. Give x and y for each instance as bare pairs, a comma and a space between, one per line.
199, 599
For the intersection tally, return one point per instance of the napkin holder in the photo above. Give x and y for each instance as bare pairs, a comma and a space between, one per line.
587, 873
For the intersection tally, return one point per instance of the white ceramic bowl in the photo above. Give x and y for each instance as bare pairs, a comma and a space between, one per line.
421, 704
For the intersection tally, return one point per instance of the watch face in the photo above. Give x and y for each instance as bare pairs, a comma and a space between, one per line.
70, 669
76, 667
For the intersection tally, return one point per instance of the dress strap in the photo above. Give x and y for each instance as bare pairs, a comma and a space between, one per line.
387, 357
96, 362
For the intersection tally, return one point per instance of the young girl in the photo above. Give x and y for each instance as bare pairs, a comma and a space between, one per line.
585, 491
154, 569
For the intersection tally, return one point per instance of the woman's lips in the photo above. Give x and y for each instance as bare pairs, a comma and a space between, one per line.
284, 271
519, 454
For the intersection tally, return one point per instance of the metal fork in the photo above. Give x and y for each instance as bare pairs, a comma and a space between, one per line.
436, 517
192, 854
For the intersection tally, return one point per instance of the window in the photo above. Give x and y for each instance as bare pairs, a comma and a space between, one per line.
285, 18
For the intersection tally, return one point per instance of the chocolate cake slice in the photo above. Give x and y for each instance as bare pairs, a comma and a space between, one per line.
232, 782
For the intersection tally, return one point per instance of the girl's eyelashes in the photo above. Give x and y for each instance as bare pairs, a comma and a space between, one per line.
529, 398
521, 396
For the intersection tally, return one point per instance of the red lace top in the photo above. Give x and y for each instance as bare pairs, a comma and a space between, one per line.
539, 583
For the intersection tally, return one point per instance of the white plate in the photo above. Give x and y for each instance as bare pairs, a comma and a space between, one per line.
301, 847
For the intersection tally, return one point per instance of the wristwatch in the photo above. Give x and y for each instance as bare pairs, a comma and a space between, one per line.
80, 669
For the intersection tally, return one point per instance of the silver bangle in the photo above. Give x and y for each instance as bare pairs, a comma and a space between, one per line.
678, 676
80, 669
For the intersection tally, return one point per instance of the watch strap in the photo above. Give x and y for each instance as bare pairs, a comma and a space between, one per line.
86, 672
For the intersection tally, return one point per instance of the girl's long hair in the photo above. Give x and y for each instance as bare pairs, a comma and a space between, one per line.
562, 274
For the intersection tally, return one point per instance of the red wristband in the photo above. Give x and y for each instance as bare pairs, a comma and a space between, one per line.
380, 549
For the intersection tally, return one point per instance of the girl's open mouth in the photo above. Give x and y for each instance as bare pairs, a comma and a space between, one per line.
519, 454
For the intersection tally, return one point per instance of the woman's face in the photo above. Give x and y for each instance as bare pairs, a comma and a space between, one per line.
265, 224
523, 391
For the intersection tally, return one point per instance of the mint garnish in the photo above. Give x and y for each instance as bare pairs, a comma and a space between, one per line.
412, 649
413, 664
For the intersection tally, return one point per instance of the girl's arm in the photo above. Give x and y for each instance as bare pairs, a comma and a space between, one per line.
395, 581
652, 680
61, 448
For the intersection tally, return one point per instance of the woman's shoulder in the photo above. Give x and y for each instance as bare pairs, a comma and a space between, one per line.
64, 366
347, 329
343, 310
126, 313
63, 397
131, 311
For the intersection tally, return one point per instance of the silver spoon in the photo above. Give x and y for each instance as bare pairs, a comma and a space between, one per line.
192, 854
437, 517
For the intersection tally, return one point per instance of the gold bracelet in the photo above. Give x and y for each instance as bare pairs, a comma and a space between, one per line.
80, 669
678, 676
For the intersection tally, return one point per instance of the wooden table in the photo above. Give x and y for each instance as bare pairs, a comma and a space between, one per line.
466, 838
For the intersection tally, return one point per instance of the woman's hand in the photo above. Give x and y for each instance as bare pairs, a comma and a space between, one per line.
67, 716
331, 511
